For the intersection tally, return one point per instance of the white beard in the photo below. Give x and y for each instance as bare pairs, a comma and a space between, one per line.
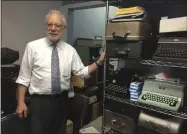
53, 39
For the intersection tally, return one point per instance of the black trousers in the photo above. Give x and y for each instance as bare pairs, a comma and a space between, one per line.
48, 113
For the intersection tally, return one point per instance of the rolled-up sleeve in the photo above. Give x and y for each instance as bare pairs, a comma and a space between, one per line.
24, 77
78, 67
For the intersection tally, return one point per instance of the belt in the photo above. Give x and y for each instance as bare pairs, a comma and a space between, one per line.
64, 93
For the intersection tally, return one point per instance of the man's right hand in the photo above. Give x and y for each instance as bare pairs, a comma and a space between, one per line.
21, 110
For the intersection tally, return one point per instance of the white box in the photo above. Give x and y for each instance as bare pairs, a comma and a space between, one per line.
178, 24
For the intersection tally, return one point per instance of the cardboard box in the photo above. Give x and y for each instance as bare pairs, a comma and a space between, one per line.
69, 127
83, 83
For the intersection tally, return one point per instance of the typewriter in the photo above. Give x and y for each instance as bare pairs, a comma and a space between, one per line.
163, 94
118, 123
171, 49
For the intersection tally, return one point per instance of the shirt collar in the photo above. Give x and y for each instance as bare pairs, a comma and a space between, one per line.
49, 43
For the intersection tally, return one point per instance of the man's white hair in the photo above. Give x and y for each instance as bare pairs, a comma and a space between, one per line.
56, 12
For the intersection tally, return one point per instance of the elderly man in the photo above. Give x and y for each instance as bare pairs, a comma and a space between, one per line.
45, 70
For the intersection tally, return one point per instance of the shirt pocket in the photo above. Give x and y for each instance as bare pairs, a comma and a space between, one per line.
65, 78
66, 71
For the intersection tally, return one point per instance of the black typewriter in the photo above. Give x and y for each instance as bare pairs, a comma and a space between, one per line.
117, 90
171, 49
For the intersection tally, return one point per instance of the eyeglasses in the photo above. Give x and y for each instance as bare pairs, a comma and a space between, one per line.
57, 26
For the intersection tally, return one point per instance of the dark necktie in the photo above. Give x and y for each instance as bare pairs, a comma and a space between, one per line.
55, 71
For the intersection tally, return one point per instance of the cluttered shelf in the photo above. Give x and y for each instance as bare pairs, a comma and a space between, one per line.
152, 62
148, 107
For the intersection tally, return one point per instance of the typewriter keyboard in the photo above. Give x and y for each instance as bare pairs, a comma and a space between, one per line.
169, 100
117, 90
171, 53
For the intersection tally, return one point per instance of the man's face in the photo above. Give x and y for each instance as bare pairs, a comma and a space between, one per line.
54, 27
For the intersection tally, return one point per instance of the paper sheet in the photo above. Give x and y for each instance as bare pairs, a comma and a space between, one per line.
89, 130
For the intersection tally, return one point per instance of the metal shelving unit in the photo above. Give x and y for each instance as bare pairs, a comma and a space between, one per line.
182, 115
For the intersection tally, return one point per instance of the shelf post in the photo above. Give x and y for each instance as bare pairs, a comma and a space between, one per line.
104, 75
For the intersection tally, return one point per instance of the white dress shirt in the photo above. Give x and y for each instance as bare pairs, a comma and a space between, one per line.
35, 70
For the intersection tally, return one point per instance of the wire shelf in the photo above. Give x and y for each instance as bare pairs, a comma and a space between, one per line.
148, 107
163, 63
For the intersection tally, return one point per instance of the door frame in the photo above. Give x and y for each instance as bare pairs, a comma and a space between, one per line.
70, 21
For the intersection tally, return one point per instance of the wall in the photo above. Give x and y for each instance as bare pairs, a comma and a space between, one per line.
64, 11
23, 21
